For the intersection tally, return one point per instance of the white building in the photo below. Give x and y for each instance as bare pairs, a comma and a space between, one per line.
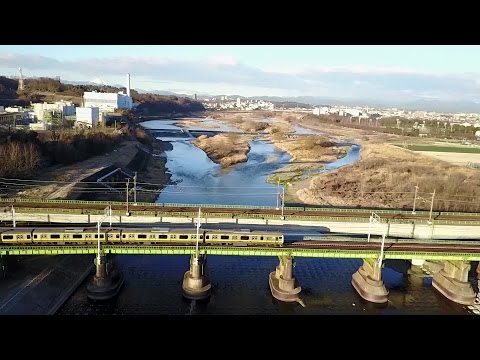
88, 116
67, 108
107, 101
238, 102
320, 110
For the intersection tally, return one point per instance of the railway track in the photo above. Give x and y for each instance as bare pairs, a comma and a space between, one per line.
389, 246
311, 212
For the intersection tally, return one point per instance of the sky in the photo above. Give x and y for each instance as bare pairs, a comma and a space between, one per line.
382, 72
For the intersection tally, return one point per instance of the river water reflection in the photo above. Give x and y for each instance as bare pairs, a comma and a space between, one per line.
200, 181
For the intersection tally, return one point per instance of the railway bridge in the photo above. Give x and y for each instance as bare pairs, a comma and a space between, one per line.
451, 279
426, 236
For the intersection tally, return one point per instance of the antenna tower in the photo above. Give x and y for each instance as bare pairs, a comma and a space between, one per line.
21, 86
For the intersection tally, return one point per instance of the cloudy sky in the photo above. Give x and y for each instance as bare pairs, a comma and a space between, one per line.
389, 73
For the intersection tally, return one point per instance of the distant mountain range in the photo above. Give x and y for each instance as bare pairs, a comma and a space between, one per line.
419, 105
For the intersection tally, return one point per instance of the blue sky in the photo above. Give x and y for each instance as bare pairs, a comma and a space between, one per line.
393, 72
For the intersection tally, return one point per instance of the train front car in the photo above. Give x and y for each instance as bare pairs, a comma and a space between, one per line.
16, 235
244, 237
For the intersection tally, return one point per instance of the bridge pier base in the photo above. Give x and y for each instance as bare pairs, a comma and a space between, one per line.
452, 282
196, 282
107, 280
368, 282
282, 283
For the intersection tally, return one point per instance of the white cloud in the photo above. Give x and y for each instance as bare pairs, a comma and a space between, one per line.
222, 60
226, 72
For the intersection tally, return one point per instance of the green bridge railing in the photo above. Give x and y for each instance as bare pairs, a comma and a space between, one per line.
237, 251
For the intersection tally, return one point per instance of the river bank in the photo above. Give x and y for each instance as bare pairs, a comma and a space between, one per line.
39, 285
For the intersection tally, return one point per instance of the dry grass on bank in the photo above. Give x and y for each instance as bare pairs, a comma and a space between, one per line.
225, 150
386, 177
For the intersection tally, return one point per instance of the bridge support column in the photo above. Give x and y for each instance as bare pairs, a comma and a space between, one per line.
282, 283
452, 282
416, 273
3, 266
107, 280
368, 282
196, 282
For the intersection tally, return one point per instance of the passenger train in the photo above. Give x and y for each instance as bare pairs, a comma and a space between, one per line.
127, 235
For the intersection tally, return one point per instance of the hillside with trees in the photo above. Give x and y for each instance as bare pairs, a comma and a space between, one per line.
23, 153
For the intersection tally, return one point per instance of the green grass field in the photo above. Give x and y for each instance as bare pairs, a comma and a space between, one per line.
452, 149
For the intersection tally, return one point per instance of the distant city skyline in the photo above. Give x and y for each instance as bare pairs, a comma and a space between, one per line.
382, 72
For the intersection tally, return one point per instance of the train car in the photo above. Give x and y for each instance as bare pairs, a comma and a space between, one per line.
159, 235
16, 235
244, 237
64, 236
148, 236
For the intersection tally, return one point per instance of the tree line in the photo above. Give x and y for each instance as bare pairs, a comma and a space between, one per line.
23, 153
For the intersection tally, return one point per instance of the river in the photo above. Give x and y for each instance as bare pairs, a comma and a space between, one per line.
240, 284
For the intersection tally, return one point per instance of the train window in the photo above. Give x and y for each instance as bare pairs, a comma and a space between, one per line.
7, 237
28, 236
224, 237
123, 236
19, 236
142, 236
208, 236
34, 236
244, 237
77, 236
54, 236
101, 236
117, 236
162, 236
261, 237
183, 237
201, 237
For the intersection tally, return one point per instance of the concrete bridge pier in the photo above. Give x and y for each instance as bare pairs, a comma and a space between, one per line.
3, 266
196, 282
368, 282
452, 282
282, 283
107, 280
416, 273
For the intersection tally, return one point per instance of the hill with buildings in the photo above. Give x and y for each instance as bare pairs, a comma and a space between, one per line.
52, 90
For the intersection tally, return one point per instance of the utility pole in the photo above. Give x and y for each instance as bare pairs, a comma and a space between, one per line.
431, 208
278, 191
415, 199
380, 258
283, 199
13, 217
135, 189
128, 183
374, 219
